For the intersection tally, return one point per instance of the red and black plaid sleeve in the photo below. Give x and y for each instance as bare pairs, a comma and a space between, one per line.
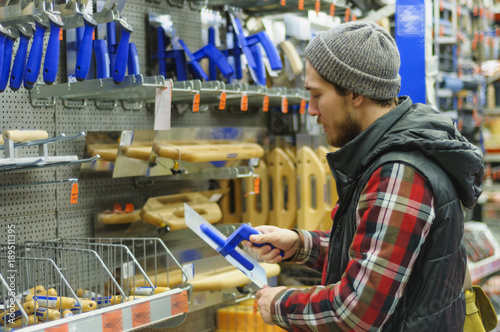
394, 215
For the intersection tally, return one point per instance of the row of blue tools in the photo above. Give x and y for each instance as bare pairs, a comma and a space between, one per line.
174, 60
25, 69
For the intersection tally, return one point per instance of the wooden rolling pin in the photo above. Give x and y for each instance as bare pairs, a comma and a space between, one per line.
252, 213
282, 214
118, 218
310, 216
210, 152
231, 203
331, 191
24, 135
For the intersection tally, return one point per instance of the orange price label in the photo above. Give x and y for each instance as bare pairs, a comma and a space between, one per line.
129, 208
460, 103
441, 31
244, 102
256, 185
302, 109
222, 101
74, 193
61, 34
475, 10
354, 17
265, 104
441, 5
284, 105
459, 11
117, 208
301, 4
317, 6
332, 9
196, 102
283, 2
347, 15
481, 11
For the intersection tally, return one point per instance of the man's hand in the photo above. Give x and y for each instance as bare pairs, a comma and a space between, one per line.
264, 298
282, 239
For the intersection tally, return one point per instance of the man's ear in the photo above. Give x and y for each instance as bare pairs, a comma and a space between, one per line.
357, 100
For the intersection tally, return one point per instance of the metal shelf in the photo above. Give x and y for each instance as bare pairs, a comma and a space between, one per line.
164, 307
274, 6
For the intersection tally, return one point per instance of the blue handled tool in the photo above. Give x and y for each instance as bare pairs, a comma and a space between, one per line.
122, 52
3, 35
52, 54
35, 57
111, 40
85, 50
16, 77
7, 59
101, 58
249, 46
227, 247
160, 42
133, 60
198, 72
216, 57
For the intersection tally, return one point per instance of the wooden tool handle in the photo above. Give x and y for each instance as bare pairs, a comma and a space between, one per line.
309, 217
119, 218
253, 214
210, 152
107, 152
138, 152
59, 302
24, 135
332, 197
283, 214
173, 216
231, 203
47, 314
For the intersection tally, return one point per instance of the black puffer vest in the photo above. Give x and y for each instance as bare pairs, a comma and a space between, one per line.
419, 137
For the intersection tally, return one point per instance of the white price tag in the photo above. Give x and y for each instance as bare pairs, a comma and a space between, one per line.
127, 138
188, 270
163, 106
128, 270
215, 197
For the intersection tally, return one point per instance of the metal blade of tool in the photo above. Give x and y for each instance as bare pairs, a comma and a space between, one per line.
200, 226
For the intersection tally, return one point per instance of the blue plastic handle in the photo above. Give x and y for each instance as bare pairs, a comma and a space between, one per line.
51, 62
2, 44
35, 57
192, 61
85, 51
243, 44
111, 40
237, 57
162, 61
269, 48
243, 233
7, 59
222, 243
133, 60
122, 54
216, 57
101, 58
16, 77
212, 69
260, 69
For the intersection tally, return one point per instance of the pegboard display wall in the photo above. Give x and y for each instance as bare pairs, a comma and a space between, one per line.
43, 210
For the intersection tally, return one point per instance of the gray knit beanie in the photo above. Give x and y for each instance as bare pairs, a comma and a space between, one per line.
358, 56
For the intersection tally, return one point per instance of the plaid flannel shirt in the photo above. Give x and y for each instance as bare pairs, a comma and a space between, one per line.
393, 217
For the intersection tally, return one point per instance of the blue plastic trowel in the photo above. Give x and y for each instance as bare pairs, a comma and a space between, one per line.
227, 246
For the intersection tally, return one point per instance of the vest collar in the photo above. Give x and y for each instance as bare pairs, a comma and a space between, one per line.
348, 162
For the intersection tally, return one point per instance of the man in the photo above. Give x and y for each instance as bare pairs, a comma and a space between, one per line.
393, 260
